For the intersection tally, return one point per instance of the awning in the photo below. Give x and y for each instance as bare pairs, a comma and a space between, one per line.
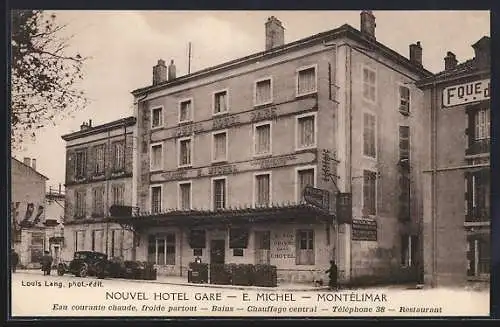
298, 213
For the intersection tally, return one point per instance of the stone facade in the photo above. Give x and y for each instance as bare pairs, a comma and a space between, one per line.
98, 175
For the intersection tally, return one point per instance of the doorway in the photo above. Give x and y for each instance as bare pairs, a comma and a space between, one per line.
217, 251
262, 247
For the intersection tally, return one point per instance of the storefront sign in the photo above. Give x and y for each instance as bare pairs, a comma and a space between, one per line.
230, 120
364, 230
466, 93
317, 197
283, 246
228, 169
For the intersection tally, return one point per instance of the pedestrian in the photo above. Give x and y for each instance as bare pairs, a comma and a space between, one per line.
46, 263
14, 260
197, 259
332, 275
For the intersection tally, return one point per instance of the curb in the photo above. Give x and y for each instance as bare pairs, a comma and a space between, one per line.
233, 287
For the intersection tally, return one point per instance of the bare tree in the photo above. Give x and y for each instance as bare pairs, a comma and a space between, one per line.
43, 76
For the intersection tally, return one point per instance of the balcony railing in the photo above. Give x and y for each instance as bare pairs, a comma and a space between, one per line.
478, 147
478, 215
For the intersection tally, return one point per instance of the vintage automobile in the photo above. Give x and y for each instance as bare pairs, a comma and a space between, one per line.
85, 263
89, 263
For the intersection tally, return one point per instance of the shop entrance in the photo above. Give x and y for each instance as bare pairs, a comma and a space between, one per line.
217, 251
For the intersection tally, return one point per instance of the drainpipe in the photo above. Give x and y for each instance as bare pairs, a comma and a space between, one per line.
434, 182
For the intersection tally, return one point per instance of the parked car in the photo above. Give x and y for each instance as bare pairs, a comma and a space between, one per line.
85, 263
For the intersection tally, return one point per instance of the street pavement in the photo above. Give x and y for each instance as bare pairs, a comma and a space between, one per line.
36, 295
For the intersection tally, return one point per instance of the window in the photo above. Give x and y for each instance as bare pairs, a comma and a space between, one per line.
98, 201
219, 193
79, 240
116, 243
118, 156
305, 177
406, 250
369, 84
156, 199
219, 152
80, 204
262, 189
369, 192
99, 159
262, 139
369, 135
156, 156
117, 193
306, 131
306, 81
404, 99
185, 196
404, 143
185, 151
98, 241
478, 255
185, 110
263, 92
156, 117
220, 102
80, 164
477, 196
305, 247
161, 249
482, 124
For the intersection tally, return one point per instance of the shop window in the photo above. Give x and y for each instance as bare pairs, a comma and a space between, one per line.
116, 243
238, 252
98, 241
478, 255
161, 249
305, 247
263, 247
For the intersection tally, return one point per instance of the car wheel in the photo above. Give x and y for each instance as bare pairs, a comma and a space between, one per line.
60, 270
83, 272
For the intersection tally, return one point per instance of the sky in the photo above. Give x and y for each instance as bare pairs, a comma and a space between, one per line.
123, 46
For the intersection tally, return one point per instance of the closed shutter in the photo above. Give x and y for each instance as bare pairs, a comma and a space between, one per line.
70, 165
471, 130
468, 196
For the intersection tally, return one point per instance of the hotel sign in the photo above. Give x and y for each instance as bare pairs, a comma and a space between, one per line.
466, 93
317, 197
364, 230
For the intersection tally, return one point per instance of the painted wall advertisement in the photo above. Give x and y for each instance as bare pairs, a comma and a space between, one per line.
466, 93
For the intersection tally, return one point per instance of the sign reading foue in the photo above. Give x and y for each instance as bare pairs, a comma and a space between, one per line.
466, 93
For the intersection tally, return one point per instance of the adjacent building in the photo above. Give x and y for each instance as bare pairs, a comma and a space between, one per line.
54, 212
27, 211
457, 221
98, 175
223, 157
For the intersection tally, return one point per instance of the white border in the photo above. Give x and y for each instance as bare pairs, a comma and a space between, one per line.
369, 112
296, 183
363, 67
213, 145
162, 118
151, 197
179, 203
297, 147
271, 99
315, 66
213, 102
363, 192
191, 146
151, 156
267, 122
226, 195
191, 114
254, 185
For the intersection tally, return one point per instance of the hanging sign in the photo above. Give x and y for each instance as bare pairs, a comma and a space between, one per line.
466, 93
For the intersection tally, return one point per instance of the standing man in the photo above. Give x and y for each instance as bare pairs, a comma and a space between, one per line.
46, 263
14, 260
332, 275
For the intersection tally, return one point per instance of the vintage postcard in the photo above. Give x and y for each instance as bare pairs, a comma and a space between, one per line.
250, 163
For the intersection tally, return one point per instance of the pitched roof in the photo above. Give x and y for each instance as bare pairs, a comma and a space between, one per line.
31, 168
345, 30
468, 67
128, 121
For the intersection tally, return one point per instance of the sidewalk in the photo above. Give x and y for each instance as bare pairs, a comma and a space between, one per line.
182, 281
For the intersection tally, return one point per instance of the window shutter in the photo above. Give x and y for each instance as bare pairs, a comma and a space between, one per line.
470, 131
468, 195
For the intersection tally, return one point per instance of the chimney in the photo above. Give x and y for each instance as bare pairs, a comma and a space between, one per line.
275, 33
416, 53
27, 161
171, 70
84, 126
59, 188
159, 72
90, 122
368, 23
450, 61
482, 52
33, 163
